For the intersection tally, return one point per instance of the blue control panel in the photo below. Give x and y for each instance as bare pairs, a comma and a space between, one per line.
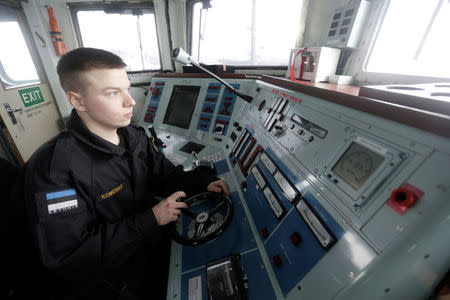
209, 106
156, 90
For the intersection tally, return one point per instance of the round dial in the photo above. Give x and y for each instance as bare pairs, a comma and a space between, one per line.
358, 165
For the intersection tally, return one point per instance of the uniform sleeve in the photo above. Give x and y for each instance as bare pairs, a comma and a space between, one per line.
170, 178
72, 241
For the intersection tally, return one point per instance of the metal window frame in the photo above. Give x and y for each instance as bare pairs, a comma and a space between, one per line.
189, 23
127, 8
359, 62
7, 82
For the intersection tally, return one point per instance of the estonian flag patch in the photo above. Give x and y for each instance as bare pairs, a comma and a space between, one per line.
61, 201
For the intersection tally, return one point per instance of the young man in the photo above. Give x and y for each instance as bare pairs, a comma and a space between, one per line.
90, 191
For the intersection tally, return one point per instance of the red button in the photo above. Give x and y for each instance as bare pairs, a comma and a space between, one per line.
296, 239
404, 198
265, 233
277, 260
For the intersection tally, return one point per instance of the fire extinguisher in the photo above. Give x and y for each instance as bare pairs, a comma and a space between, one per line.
56, 33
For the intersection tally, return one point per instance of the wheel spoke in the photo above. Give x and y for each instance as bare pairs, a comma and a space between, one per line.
199, 229
189, 213
213, 211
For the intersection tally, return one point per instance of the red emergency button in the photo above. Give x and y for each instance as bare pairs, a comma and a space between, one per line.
265, 233
276, 260
296, 239
403, 198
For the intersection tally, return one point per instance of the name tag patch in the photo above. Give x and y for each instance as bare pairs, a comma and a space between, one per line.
112, 192
61, 201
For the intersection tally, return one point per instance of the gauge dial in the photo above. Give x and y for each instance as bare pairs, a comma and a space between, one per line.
357, 165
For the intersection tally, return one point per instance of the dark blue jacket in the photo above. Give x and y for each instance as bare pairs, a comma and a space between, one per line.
88, 201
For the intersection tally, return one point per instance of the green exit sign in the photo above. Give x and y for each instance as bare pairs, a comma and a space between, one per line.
31, 96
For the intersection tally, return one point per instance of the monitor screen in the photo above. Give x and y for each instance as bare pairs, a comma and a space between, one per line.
357, 164
181, 105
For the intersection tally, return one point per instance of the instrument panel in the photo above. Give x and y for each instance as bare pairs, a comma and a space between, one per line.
316, 188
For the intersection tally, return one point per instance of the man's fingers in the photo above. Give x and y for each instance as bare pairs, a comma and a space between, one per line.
172, 200
222, 186
175, 196
179, 205
225, 187
216, 189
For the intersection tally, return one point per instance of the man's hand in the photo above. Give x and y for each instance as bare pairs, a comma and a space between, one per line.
168, 209
219, 186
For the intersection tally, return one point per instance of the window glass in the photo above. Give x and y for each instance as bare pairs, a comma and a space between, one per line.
16, 66
414, 43
132, 37
245, 32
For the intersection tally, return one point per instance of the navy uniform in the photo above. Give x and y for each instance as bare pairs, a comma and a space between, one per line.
89, 206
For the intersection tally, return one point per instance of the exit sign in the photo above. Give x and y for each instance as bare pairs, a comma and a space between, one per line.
31, 96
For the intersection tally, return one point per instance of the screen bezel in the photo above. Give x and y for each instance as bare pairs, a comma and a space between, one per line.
175, 90
391, 161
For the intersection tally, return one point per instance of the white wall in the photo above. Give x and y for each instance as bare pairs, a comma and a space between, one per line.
319, 13
37, 17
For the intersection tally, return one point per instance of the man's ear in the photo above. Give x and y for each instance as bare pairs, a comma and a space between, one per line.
76, 100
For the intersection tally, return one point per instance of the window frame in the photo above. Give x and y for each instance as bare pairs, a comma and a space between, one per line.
189, 22
358, 61
120, 6
19, 16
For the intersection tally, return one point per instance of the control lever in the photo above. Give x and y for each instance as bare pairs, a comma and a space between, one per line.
279, 130
203, 164
154, 137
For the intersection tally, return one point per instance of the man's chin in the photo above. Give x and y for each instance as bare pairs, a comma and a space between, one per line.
125, 123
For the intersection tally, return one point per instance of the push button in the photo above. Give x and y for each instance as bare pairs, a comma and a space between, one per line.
265, 233
296, 239
277, 261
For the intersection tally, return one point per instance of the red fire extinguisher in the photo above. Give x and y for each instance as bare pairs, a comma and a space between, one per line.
56, 33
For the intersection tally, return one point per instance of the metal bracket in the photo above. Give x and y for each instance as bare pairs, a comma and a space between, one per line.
11, 112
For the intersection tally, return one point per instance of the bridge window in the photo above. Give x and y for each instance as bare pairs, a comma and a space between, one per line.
413, 39
124, 29
16, 65
245, 32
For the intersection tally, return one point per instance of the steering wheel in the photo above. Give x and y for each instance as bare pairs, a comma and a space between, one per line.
207, 216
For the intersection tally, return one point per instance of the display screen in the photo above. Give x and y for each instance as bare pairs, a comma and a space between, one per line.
181, 106
357, 164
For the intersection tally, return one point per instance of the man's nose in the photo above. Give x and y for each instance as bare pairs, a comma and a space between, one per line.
129, 101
